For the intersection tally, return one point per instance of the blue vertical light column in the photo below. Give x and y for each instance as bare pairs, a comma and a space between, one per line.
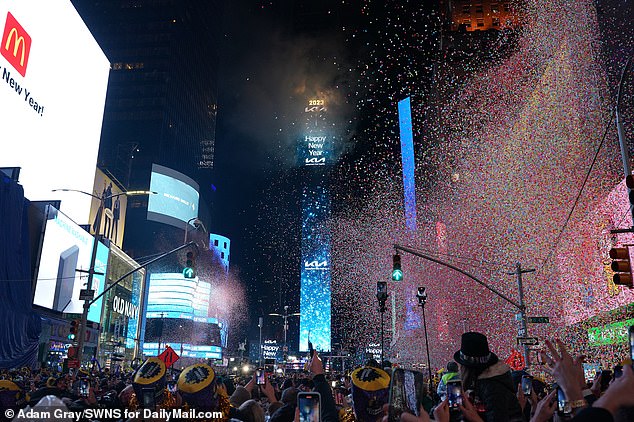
315, 299
407, 157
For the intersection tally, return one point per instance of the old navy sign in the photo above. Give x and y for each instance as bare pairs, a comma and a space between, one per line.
16, 44
125, 308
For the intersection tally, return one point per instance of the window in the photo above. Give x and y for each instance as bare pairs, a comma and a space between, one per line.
495, 8
225, 245
215, 242
466, 9
478, 8
222, 255
496, 22
467, 23
480, 23
507, 7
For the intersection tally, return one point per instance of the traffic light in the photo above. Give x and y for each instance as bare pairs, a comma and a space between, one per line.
188, 271
74, 326
621, 266
397, 272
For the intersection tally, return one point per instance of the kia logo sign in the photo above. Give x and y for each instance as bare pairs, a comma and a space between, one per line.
315, 265
16, 44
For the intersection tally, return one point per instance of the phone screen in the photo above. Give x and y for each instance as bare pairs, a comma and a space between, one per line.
309, 405
406, 393
83, 388
527, 385
148, 398
260, 376
563, 407
454, 394
631, 337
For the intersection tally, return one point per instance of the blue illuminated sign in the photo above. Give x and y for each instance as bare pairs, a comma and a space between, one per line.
176, 201
315, 301
99, 281
407, 157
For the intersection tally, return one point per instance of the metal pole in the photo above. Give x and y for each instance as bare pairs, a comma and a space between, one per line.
261, 322
87, 303
422, 305
523, 330
382, 313
471, 276
625, 156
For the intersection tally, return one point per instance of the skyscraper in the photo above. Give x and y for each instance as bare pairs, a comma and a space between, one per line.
315, 155
161, 104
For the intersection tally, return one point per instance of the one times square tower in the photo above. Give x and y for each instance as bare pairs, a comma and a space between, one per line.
314, 156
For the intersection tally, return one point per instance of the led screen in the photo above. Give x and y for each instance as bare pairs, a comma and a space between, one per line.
407, 158
65, 249
315, 298
52, 96
175, 296
185, 350
176, 201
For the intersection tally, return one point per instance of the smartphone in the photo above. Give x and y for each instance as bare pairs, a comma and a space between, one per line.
563, 406
340, 397
618, 371
406, 393
71, 372
148, 400
631, 338
172, 386
309, 405
606, 377
84, 388
311, 349
260, 376
527, 385
454, 394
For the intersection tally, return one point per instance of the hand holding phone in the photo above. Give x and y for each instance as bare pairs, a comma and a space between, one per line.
527, 385
260, 376
454, 394
563, 406
84, 388
309, 406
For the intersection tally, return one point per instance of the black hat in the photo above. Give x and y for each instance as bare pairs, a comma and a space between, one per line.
474, 351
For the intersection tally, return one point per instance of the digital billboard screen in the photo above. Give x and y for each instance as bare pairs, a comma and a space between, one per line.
53, 85
176, 201
67, 248
109, 215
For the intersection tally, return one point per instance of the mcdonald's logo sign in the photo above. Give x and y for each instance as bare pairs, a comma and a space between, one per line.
16, 44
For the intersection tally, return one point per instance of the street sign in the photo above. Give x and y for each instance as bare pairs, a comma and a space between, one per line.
521, 332
168, 356
538, 319
86, 294
528, 341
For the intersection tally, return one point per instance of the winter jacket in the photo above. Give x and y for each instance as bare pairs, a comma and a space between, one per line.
593, 414
328, 407
494, 388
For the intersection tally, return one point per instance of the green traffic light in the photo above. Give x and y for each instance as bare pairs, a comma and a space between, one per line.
397, 275
71, 336
188, 272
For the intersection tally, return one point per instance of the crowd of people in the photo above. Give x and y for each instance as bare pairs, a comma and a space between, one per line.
475, 387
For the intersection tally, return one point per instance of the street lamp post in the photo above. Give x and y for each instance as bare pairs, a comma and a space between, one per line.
421, 295
381, 295
260, 324
93, 258
285, 317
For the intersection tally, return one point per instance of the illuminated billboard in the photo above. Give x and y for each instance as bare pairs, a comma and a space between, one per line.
407, 158
112, 210
176, 201
65, 249
52, 96
171, 295
315, 150
315, 300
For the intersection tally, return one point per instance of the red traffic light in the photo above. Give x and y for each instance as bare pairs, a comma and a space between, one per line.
621, 266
